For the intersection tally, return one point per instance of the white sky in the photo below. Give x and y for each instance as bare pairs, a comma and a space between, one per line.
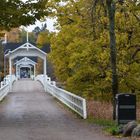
48, 21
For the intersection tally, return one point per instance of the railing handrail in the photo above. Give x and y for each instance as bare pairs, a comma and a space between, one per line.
64, 96
5, 85
69, 93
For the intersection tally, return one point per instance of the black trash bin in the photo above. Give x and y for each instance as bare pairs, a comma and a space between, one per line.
125, 108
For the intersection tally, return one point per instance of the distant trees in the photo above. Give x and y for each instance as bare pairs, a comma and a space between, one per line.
43, 38
23, 36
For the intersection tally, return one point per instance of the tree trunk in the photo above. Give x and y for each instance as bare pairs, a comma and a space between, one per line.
113, 54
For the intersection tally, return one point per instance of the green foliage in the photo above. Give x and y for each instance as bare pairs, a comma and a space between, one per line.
109, 126
80, 50
101, 122
43, 38
114, 130
16, 12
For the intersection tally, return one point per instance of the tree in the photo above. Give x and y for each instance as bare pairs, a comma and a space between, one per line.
111, 8
36, 31
17, 13
43, 38
113, 54
84, 50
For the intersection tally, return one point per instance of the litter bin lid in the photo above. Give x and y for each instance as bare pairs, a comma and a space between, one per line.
124, 95
126, 99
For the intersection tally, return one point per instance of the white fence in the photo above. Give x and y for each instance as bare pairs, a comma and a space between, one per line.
76, 103
5, 85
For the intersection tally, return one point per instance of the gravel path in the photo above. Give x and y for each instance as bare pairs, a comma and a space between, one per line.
28, 113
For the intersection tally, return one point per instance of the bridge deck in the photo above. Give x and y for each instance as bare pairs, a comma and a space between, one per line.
28, 113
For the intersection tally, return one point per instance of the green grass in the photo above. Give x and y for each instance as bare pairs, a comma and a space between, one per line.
101, 122
109, 126
113, 130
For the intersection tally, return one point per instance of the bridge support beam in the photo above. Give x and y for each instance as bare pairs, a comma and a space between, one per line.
30, 72
16, 71
34, 71
10, 73
45, 72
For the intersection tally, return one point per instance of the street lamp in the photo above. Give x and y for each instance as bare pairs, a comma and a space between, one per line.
5, 52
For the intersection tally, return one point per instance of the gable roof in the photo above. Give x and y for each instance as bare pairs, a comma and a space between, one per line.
13, 46
25, 59
26, 49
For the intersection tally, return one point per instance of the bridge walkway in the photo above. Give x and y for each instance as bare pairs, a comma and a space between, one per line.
28, 113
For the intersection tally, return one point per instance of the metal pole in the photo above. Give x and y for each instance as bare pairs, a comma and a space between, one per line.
27, 37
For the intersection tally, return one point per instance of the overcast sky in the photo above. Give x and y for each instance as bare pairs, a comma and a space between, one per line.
48, 21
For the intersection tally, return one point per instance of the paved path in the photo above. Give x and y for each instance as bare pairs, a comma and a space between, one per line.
28, 113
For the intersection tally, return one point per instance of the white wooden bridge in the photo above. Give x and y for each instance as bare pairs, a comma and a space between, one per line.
74, 102
29, 110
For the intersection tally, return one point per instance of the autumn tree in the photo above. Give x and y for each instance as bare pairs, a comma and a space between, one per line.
17, 13
43, 38
89, 40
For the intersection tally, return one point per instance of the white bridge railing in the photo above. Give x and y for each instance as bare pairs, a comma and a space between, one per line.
5, 85
76, 103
